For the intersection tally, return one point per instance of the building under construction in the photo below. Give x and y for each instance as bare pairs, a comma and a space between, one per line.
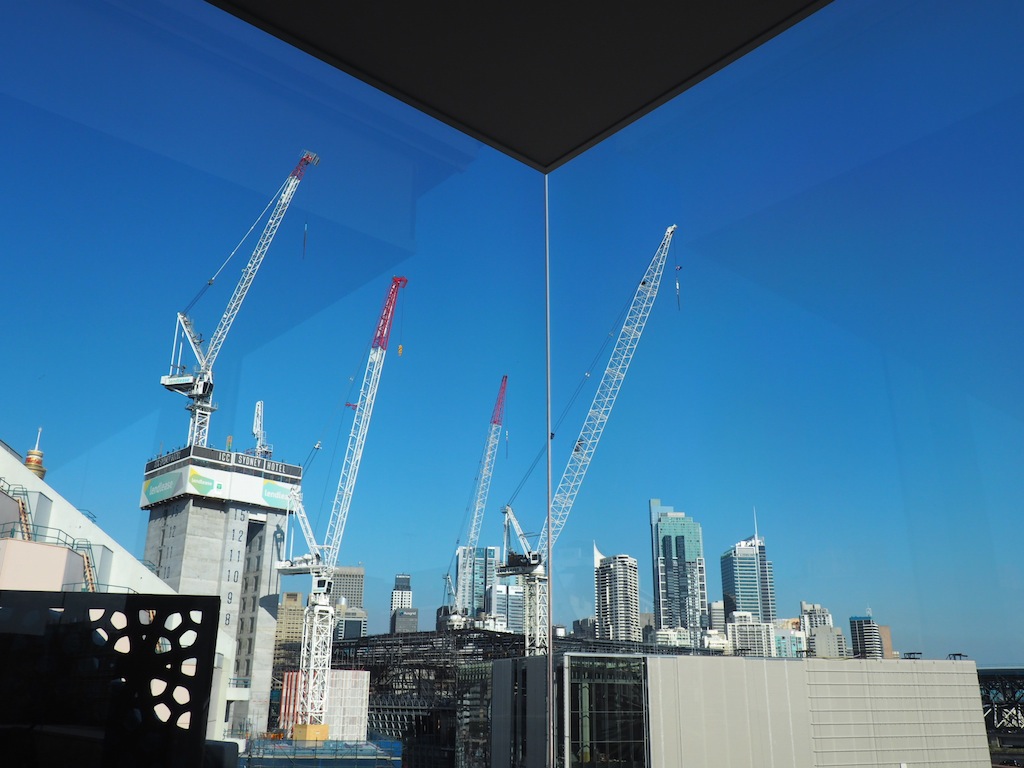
426, 686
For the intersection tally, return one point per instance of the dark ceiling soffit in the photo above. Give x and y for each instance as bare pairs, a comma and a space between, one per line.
242, 11
727, 58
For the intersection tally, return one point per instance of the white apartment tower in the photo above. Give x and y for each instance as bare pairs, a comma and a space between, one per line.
617, 597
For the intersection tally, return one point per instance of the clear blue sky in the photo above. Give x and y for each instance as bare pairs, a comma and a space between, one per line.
848, 355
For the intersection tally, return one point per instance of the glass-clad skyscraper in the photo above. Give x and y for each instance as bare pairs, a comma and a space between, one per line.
476, 572
748, 583
680, 577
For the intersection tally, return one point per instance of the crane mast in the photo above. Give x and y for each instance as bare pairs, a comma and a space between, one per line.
262, 449
464, 599
532, 565
318, 619
198, 385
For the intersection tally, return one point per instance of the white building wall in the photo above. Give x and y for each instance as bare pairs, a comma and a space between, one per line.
116, 566
815, 713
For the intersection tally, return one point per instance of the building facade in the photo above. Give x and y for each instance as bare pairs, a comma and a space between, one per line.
404, 618
635, 711
507, 601
347, 585
476, 571
679, 572
750, 637
616, 598
217, 522
748, 581
865, 638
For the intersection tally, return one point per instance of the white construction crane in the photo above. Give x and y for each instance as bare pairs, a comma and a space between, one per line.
318, 625
531, 563
262, 449
464, 597
198, 385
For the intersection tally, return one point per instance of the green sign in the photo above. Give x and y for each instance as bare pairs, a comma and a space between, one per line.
276, 495
162, 487
201, 483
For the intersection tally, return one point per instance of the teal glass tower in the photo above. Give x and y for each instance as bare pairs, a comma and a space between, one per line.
680, 577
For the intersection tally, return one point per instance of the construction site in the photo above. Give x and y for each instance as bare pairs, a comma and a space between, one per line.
486, 250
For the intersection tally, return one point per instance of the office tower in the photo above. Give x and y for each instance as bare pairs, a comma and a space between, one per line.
616, 597
350, 623
404, 618
288, 636
750, 637
716, 615
508, 602
865, 638
748, 582
217, 523
479, 564
680, 577
826, 642
347, 584
401, 595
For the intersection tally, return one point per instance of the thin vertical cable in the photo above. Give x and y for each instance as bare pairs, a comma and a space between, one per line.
547, 555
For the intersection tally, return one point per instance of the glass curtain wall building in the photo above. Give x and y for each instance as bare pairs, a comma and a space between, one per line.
680, 577
748, 581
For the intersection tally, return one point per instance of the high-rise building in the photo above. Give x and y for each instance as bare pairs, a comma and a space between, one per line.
825, 642
350, 623
680, 577
347, 584
508, 602
748, 582
812, 617
750, 637
217, 522
616, 597
288, 636
790, 640
404, 618
401, 595
865, 638
888, 652
480, 567
716, 615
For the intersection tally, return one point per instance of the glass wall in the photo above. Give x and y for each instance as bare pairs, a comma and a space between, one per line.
607, 717
837, 345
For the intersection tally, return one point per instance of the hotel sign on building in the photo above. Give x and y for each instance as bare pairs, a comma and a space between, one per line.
199, 471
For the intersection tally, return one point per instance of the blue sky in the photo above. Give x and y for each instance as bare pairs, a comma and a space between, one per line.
847, 356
